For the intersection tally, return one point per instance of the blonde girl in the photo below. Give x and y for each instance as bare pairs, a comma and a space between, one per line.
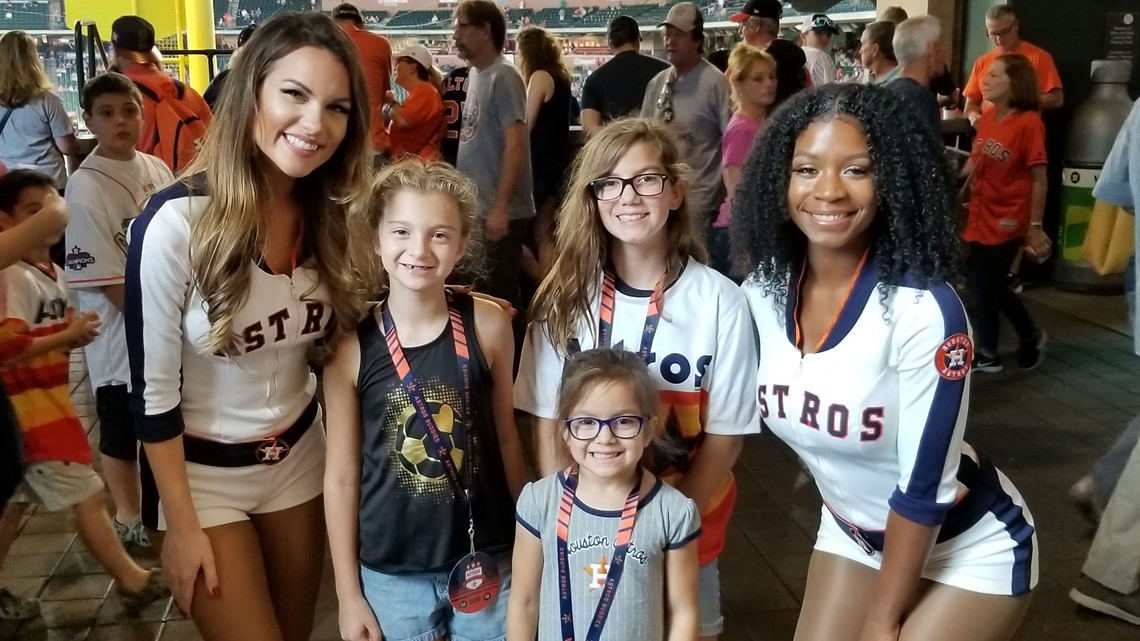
233, 274
404, 509
630, 272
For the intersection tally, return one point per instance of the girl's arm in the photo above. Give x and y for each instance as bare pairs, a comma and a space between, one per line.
906, 547
539, 89
526, 583
495, 334
682, 605
342, 489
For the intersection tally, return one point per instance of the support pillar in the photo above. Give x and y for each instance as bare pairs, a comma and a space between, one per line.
199, 35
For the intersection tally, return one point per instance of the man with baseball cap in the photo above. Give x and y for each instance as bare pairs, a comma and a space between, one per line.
137, 57
617, 88
815, 38
759, 22
376, 58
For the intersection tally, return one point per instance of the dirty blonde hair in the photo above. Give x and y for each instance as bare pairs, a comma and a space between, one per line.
22, 76
740, 63
581, 242
224, 240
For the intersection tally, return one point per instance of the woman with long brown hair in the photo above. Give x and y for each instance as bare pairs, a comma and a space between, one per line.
234, 274
548, 118
35, 130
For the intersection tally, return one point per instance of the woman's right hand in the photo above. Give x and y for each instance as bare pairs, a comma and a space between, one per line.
184, 554
357, 622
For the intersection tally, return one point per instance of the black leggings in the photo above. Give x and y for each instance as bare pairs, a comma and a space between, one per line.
11, 451
987, 269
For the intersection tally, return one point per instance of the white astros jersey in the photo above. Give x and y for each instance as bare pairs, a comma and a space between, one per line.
239, 398
878, 413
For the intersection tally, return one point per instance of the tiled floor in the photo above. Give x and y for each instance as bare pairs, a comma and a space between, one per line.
1043, 428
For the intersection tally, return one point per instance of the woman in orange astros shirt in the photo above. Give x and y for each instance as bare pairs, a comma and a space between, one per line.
1007, 165
417, 123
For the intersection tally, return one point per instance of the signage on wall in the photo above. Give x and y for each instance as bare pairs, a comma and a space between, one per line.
1120, 35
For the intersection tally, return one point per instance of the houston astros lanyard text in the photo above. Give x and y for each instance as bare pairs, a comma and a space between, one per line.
617, 561
606, 314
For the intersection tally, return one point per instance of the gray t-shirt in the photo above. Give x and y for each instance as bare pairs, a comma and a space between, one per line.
666, 520
701, 111
496, 99
28, 140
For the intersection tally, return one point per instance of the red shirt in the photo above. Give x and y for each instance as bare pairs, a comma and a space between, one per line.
1047, 77
1003, 153
376, 58
423, 109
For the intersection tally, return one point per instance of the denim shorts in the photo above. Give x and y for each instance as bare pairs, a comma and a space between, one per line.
708, 590
414, 607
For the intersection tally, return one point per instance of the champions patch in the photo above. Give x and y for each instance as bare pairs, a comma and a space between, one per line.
954, 357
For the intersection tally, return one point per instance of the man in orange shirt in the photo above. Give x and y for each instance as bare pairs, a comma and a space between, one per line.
376, 57
1002, 26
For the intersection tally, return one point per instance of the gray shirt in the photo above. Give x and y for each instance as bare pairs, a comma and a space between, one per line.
28, 140
701, 111
666, 520
496, 100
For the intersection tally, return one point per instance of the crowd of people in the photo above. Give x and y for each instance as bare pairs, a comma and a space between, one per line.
731, 248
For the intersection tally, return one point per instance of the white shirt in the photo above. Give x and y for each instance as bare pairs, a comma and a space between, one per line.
820, 65
103, 197
223, 398
878, 412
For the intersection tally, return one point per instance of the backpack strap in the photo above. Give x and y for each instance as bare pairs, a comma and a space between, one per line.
179, 88
146, 91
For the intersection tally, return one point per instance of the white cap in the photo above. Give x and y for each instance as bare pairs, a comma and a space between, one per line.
419, 53
684, 16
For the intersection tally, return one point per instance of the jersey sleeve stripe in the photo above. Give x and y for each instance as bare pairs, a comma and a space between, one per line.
919, 500
163, 425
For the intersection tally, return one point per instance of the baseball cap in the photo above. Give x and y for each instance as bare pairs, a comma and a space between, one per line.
759, 9
133, 38
246, 34
684, 16
419, 53
623, 29
819, 22
347, 11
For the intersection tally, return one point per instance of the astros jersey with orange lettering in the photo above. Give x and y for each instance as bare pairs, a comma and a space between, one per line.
704, 362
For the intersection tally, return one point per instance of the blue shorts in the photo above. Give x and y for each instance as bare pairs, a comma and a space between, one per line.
708, 590
414, 607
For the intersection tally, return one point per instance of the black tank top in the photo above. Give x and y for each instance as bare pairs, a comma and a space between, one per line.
550, 142
410, 518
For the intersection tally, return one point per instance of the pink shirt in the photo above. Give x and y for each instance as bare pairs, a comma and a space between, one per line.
737, 143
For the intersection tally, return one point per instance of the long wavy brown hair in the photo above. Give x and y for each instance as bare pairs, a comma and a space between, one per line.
539, 51
22, 75
581, 242
224, 240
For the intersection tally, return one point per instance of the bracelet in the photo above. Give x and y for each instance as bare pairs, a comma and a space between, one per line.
1035, 225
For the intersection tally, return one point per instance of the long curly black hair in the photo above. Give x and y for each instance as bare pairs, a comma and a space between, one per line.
916, 230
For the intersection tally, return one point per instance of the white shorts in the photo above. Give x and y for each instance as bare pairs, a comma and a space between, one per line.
57, 485
986, 557
224, 495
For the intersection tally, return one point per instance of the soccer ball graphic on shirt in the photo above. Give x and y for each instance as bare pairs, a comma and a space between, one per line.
414, 448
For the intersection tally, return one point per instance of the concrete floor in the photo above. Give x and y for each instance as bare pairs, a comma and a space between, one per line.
1043, 428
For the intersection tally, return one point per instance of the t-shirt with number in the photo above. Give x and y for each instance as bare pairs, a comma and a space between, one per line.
1004, 151
454, 95
103, 197
666, 520
237, 398
703, 360
33, 304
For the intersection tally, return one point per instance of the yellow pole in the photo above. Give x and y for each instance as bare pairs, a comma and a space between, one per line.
199, 35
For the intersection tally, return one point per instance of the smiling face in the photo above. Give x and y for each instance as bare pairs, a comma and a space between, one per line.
831, 190
605, 455
420, 239
631, 217
302, 111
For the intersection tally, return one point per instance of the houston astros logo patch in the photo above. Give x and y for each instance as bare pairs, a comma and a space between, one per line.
954, 357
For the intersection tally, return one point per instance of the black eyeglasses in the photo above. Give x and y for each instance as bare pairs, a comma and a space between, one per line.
587, 428
612, 187
1004, 32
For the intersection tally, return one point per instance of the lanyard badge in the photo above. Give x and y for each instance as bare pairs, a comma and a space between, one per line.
606, 314
474, 582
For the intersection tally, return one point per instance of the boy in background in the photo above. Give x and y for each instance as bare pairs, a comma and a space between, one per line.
104, 195
37, 330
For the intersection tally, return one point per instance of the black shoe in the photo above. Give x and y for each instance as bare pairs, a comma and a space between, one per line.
1032, 353
1095, 596
986, 363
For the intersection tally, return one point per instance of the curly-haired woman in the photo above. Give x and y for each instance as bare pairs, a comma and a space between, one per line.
848, 214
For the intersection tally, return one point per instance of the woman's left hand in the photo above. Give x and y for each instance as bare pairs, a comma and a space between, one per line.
1038, 245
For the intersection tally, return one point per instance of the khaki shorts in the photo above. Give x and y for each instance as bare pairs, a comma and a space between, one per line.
57, 485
